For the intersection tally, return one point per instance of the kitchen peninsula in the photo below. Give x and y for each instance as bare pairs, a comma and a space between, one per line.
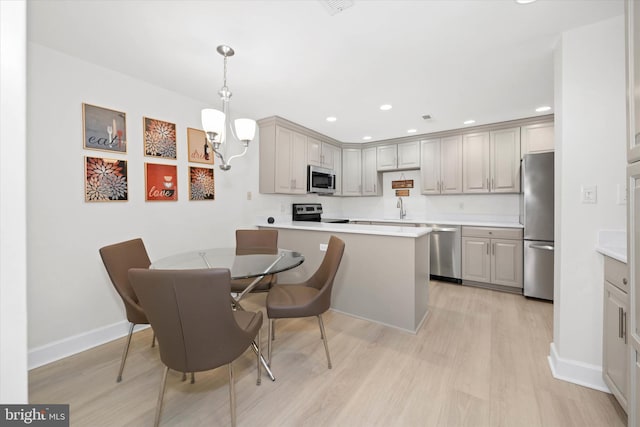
383, 276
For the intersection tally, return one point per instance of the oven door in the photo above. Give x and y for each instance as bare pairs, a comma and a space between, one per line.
320, 180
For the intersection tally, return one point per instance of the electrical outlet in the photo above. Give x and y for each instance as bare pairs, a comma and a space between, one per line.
621, 194
589, 194
323, 247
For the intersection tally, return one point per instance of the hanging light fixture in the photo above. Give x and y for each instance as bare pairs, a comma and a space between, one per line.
216, 123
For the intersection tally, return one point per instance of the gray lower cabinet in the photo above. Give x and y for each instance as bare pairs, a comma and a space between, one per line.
492, 255
615, 367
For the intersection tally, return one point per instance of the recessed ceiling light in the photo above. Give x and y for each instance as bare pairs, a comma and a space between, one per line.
412, 131
524, 1
469, 122
543, 108
366, 138
385, 107
331, 119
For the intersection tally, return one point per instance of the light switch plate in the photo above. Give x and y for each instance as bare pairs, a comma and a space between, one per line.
589, 194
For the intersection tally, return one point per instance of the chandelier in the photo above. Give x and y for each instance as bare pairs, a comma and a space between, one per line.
216, 123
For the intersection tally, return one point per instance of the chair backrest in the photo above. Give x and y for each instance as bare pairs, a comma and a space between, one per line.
190, 313
324, 276
256, 242
118, 259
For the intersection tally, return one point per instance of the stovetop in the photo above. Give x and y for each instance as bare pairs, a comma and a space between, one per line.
311, 212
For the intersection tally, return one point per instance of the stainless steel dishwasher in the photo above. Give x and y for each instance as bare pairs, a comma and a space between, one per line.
445, 252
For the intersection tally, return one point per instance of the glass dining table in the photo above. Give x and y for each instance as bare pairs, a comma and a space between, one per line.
241, 266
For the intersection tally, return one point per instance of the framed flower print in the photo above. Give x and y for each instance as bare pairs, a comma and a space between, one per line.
161, 182
105, 180
159, 138
201, 184
104, 129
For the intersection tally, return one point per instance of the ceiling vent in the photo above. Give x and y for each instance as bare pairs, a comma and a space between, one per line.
336, 6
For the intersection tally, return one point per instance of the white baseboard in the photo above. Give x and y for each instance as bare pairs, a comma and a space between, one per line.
576, 372
57, 350
424, 318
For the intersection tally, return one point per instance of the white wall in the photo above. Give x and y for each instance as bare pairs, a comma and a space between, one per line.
590, 150
13, 255
490, 207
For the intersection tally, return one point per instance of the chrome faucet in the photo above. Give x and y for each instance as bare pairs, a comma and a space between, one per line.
400, 205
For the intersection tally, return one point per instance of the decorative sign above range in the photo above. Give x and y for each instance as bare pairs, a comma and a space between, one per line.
402, 193
405, 183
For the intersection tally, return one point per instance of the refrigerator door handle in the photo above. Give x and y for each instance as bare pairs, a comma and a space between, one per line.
543, 247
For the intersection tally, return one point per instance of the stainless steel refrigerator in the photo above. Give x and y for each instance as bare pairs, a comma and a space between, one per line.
537, 218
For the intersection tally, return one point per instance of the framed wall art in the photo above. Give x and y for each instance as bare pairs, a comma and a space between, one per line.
159, 138
200, 150
161, 182
201, 184
105, 180
104, 129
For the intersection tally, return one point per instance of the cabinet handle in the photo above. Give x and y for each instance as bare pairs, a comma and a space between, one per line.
374, 188
620, 322
493, 185
488, 188
624, 280
624, 326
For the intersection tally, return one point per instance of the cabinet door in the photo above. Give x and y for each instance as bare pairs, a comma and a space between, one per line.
451, 165
430, 166
299, 164
537, 138
387, 157
369, 172
505, 161
314, 151
351, 172
284, 144
337, 167
329, 155
476, 262
409, 155
475, 162
615, 351
506, 262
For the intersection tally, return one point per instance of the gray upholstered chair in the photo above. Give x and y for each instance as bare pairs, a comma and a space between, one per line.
118, 259
196, 327
255, 242
309, 298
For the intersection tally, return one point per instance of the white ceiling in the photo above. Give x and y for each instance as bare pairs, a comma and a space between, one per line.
455, 60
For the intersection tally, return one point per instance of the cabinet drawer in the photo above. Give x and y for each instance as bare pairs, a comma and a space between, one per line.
492, 232
615, 272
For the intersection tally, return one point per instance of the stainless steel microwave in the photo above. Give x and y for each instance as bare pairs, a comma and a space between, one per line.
320, 180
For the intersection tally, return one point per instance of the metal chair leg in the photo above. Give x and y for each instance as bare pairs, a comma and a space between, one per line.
258, 359
232, 395
124, 354
153, 340
193, 377
273, 330
161, 396
269, 341
184, 376
324, 340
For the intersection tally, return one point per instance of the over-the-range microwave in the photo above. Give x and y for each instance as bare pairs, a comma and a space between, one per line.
320, 180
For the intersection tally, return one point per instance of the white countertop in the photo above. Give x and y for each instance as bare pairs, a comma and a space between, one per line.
478, 223
613, 243
380, 230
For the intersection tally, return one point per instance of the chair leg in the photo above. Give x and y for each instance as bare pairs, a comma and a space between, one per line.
258, 381
232, 395
156, 422
124, 354
273, 330
193, 377
324, 340
269, 339
153, 340
184, 376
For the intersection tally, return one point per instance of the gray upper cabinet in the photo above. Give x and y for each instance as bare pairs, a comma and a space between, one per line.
283, 160
351, 172
398, 156
537, 138
320, 153
441, 165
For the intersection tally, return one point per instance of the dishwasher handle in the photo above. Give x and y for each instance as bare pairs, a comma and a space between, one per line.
444, 229
543, 247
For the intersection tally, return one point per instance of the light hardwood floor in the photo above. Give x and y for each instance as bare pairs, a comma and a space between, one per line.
479, 360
